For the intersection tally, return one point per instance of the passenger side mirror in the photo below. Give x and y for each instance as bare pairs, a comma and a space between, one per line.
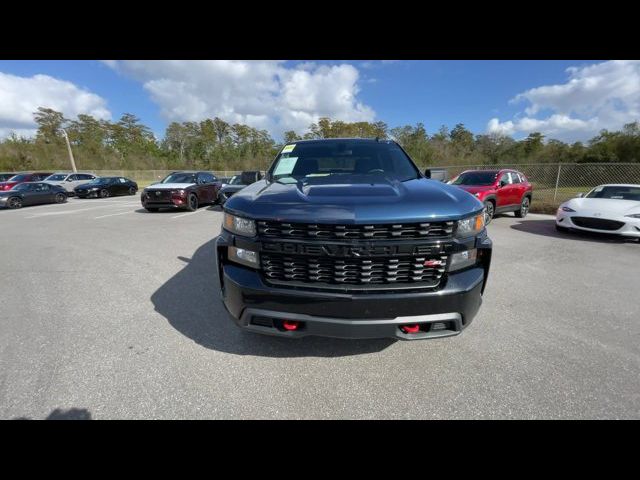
427, 173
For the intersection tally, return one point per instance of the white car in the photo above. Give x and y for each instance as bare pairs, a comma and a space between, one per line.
611, 209
69, 181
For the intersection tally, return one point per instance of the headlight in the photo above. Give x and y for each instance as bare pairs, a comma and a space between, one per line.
470, 226
244, 257
634, 215
567, 209
239, 225
464, 259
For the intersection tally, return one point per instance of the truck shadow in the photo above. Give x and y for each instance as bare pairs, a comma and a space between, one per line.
547, 228
70, 414
191, 303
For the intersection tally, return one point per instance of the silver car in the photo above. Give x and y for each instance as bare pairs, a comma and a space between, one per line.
69, 181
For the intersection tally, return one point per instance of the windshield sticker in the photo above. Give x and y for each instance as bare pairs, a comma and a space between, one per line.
288, 148
285, 166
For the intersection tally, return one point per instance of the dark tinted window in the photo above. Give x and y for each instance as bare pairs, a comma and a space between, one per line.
22, 177
85, 176
42, 187
476, 178
341, 158
180, 178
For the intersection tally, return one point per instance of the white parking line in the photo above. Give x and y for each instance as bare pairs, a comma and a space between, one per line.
189, 213
67, 212
113, 214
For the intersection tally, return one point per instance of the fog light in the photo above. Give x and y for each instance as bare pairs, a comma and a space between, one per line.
462, 260
244, 257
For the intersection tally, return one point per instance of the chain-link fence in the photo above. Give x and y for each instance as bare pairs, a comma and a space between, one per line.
554, 183
147, 177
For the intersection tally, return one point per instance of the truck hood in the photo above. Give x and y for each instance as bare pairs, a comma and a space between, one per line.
379, 200
170, 186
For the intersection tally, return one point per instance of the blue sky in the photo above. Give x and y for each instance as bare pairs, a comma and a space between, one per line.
569, 99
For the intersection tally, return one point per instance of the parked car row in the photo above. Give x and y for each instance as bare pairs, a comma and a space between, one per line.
25, 189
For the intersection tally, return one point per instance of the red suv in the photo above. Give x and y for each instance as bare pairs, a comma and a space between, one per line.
500, 190
22, 178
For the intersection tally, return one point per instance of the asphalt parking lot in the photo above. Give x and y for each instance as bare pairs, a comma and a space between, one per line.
108, 311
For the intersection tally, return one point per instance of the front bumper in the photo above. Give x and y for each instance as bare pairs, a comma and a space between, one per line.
172, 202
631, 227
87, 194
258, 306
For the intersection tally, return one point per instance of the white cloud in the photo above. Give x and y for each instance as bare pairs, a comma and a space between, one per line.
20, 97
602, 95
264, 94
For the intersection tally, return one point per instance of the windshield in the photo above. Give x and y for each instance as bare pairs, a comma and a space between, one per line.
476, 178
19, 178
343, 158
180, 178
57, 177
101, 180
615, 193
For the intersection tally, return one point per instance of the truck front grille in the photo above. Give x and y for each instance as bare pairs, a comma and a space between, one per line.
366, 232
354, 271
597, 223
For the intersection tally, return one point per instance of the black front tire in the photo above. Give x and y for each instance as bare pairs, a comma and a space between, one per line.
61, 198
104, 193
489, 212
524, 208
132, 190
192, 203
14, 202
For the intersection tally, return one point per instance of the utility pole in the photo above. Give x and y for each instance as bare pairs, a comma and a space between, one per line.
73, 162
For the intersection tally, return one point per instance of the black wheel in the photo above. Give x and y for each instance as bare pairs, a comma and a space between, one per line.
14, 202
562, 229
61, 198
192, 203
104, 193
524, 208
489, 211
132, 190
152, 210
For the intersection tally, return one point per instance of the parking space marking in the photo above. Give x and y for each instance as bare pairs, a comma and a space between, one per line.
114, 214
67, 212
189, 213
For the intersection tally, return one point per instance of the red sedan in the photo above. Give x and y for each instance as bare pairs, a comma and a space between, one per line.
22, 178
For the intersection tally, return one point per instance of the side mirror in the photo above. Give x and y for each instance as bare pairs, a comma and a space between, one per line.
69, 180
427, 173
502, 183
580, 195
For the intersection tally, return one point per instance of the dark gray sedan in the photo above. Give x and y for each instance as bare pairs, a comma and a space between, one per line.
32, 193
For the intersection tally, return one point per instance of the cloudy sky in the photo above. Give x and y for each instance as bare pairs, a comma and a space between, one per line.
567, 100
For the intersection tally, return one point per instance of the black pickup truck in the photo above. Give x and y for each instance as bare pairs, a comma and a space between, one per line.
347, 238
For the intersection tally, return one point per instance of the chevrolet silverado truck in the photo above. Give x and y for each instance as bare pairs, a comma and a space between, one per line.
347, 238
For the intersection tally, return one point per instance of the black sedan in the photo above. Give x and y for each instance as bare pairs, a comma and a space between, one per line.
32, 193
103, 187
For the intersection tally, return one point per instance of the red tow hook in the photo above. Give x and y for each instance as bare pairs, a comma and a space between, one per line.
412, 328
290, 325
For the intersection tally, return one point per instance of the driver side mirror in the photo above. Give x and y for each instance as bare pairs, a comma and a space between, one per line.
427, 173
